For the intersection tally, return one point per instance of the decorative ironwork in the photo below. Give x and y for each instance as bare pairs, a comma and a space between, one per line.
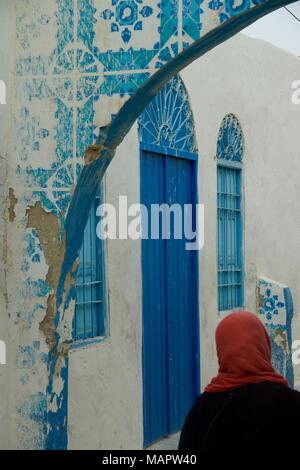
168, 120
230, 140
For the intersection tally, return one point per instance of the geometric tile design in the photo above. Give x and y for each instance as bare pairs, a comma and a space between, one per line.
91, 49
127, 18
275, 309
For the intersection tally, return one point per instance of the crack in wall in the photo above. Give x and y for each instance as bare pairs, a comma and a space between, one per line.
12, 204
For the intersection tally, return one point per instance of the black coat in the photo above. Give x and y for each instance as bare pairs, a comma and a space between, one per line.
265, 415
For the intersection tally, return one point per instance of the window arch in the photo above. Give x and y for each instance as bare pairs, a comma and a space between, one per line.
230, 153
168, 120
230, 145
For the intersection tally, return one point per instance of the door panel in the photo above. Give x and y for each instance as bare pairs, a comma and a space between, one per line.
170, 303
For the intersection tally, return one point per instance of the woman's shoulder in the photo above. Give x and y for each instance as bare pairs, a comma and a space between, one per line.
269, 391
276, 395
206, 399
278, 388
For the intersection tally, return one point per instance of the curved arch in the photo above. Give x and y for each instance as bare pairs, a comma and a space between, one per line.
168, 120
99, 156
230, 145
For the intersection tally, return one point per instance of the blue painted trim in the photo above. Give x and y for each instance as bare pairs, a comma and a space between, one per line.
233, 161
242, 228
198, 293
229, 164
85, 343
168, 151
239, 245
194, 339
289, 306
90, 321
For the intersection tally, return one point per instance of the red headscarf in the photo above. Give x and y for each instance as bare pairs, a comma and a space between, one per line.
244, 353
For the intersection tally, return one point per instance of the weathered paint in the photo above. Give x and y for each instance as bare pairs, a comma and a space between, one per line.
45, 111
275, 309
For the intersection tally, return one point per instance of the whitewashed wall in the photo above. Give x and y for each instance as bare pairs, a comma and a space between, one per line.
6, 65
251, 79
105, 381
241, 77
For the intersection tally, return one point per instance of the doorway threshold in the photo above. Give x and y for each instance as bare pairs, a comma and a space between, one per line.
166, 443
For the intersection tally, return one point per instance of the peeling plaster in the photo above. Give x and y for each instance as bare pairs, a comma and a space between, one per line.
281, 339
92, 153
49, 230
55, 325
12, 204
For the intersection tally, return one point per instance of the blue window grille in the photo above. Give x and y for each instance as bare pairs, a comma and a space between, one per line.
90, 307
230, 214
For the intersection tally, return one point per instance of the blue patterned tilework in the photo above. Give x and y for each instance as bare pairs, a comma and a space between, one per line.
275, 309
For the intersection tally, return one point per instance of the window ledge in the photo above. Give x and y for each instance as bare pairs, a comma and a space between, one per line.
223, 313
86, 343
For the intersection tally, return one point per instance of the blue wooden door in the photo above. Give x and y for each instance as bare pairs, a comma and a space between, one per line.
170, 301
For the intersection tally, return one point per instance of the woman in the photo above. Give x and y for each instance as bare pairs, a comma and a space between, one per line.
247, 405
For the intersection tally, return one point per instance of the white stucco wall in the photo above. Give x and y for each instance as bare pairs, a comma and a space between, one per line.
242, 77
251, 79
6, 65
105, 382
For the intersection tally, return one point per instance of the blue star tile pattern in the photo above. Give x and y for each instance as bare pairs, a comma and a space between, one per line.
271, 305
145, 34
81, 67
126, 16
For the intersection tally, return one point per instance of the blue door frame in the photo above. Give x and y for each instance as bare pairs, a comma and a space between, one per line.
171, 369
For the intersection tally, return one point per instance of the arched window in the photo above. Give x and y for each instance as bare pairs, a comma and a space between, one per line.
230, 151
